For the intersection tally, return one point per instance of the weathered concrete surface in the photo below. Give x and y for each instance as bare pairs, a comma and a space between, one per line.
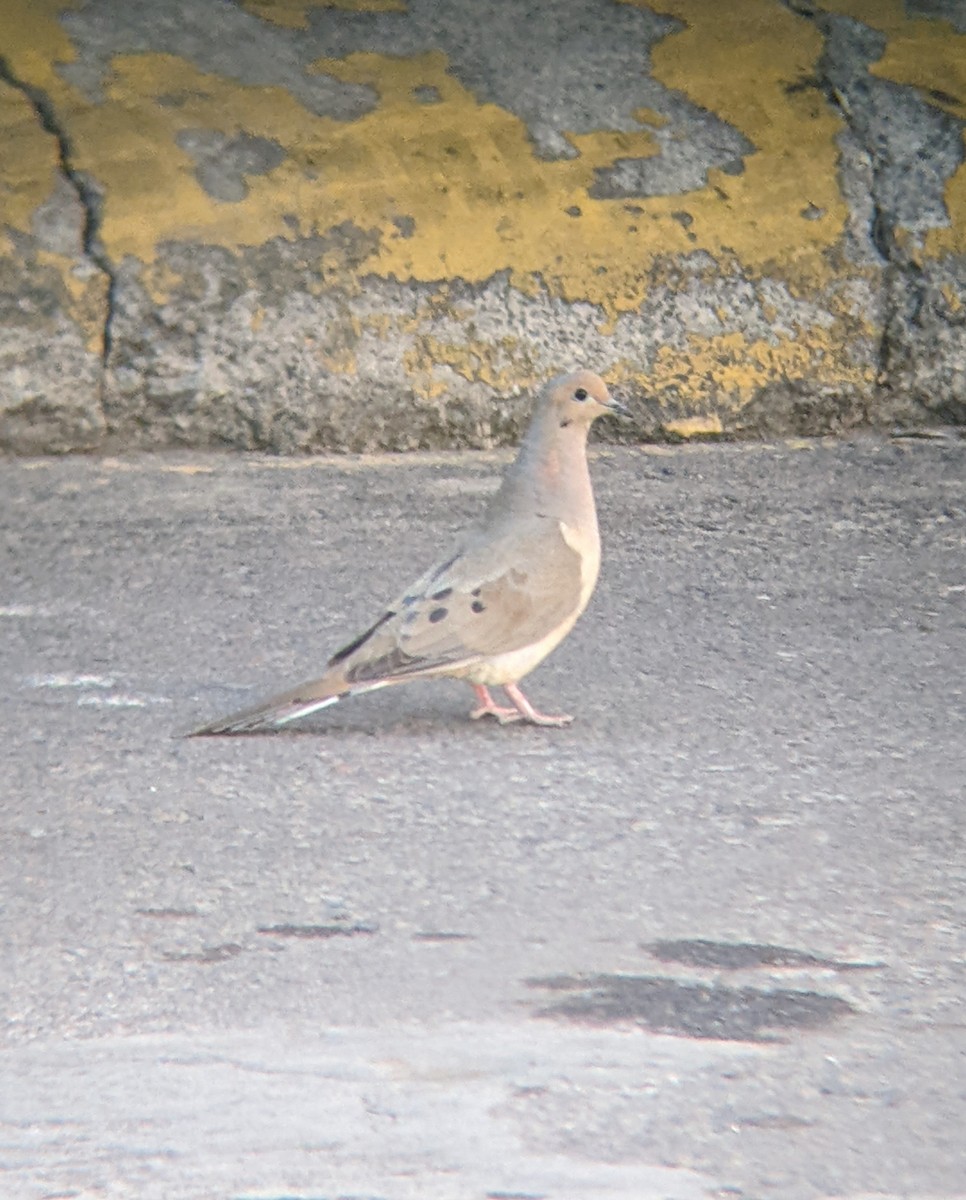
52, 295
231, 224
707, 942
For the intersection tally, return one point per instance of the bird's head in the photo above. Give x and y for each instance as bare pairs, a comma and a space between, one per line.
580, 398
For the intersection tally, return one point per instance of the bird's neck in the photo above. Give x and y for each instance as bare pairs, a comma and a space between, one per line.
550, 474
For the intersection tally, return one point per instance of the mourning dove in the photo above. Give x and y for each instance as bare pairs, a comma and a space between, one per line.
505, 596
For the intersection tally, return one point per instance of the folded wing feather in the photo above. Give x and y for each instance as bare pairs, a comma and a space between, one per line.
470, 612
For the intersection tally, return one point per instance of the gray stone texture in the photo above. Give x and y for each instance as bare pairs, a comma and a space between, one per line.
912, 148
223, 161
946, 10
51, 377
217, 36
925, 341
195, 370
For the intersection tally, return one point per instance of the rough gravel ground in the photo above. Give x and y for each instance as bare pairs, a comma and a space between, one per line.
709, 941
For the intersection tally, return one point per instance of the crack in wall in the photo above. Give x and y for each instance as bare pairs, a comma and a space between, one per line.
881, 231
88, 194
911, 149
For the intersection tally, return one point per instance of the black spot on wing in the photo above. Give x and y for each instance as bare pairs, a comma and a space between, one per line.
478, 606
442, 595
437, 615
352, 647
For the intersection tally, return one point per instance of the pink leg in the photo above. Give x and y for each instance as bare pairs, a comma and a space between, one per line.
529, 713
487, 707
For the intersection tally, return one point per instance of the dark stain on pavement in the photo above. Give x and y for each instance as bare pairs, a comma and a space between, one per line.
318, 931
696, 1010
773, 1121
738, 956
210, 954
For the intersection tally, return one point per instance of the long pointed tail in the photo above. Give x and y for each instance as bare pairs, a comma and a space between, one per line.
265, 717
287, 706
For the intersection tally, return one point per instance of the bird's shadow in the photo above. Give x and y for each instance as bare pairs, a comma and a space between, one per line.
413, 727
411, 716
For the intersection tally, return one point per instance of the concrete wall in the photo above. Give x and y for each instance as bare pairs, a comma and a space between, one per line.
376, 223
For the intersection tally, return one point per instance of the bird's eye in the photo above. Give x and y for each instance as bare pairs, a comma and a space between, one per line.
580, 394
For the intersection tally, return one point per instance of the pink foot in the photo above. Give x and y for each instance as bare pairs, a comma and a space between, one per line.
527, 712
487, 707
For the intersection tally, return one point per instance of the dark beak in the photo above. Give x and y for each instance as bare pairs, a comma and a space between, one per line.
618, 409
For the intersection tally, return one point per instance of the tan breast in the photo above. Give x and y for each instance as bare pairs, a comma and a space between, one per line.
512, 666
586, 542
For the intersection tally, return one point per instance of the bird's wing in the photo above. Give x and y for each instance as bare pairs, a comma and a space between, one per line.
490, 598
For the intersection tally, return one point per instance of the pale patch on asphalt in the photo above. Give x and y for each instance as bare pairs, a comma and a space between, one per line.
93, 688
117, 701
401, 1113
70, 681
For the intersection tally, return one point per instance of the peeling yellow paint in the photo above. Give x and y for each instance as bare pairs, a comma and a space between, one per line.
647, 116
383, 325
338, 352
465, 175
454, 190
756, 216
287, 13
929, 55
720, 374
29, 162
33, 40
290, 14
479, 200
340, 362
503, 365
129, 145
689, 427
953, 300
160, 280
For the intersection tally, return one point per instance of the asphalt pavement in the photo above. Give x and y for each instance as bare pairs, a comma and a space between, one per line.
707, 942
